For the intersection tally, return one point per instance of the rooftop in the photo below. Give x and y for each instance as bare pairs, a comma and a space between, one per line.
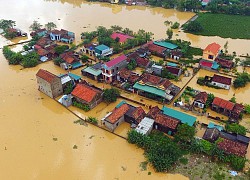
102, 47
150, 89
145, 125
212, 125
223, 103
167, 121
155, 48
115, 61
222, 79
211, 134
46, 75
85, 92
165, 44
202, 97
117, 113
122, 37
214, 48
153, 112
124, 73
92, 71
183, 117
225, 63
173, 70
142, 62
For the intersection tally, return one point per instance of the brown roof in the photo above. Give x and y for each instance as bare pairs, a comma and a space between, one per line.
155, 80
176, 53
153, 112
42, 52
124, 73
224, 63
223, 103
202, 97
69, 57
133, 78
221, 79
233, 147
55, 31
155, 48
46, 75
238, 108
43, 41
211, 134
142, 62
85, 92
166, 121
117, 113
139, 114
173, 70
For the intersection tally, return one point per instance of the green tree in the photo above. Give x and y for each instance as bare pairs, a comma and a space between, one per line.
185, 133
175, 25
35, 26
116, 28
30, 60
6, 24
50, 26
238, 163
226, 47
241, 80
210, 98
61, 49
169, 33
247, 108
92, 120
84, 58
57, 61
193, 26
69, 88
233, 99
236, 128
111, 95
132, 64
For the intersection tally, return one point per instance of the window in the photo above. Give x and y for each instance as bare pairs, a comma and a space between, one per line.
107, 71
113, 70
117, 68
210, 56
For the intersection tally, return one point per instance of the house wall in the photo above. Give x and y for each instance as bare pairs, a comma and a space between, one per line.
44, 87
199, 104
206, 55
163, 128
157, 70
56, 87
111, 126
113, 71
224, 86
130, 120
93, 103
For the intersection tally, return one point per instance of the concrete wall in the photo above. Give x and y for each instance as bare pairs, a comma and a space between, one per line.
111, 126
44, 87
224, 86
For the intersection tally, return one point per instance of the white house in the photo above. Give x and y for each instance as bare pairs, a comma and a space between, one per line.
145, 126
221, 81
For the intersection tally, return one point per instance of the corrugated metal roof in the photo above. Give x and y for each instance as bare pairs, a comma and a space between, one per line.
102, 47
212, 125
92, 71
145, 125
183, 117
165, 44
65, 79
150, 89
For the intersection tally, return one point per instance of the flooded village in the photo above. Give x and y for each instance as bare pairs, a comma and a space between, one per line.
76, 91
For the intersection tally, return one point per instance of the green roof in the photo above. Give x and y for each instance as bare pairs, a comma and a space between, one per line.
92, 71
102, 47
212, 125
183, 117
166, 44
121, 103
74, 76
171, 64
76, 65
150, 89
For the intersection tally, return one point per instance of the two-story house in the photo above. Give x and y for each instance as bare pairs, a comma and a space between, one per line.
112, 67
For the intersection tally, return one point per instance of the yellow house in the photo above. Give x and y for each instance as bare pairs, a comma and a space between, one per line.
211, 51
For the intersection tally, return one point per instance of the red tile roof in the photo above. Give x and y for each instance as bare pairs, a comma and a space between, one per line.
155, 48
117, 113
222, 79
214, 48
116, 60
43, 41
68, 57
155, 80
46, 75
223, 103
166, 121
122, 37
202, 97
42, 52
233, 147
173, 70
139, 114
142, 62
85, 92
153, 112
133, 78
124, 73
238, 108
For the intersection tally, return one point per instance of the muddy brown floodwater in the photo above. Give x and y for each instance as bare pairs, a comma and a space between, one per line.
37, 135
79, 16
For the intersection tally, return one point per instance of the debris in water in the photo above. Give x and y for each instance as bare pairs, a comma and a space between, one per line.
75, 147
91, 137
59, 19
54, 139
149, 173
124, 168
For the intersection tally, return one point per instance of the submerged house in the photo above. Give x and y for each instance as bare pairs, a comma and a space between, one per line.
103, 50
174, 70
112, 67
71, 60
156, 87
39, 32
121, 37
89, 49
221, 81
62, 35
211, 52
166, 124
49, 83
93, 72
224, 63
125, 75
87, 95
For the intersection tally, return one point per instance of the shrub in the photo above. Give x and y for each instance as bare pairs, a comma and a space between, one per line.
175, 25
111, 95
92, 120
84, 58
57, 61
236, 128
81, 106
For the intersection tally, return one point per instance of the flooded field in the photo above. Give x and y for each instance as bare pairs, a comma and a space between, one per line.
79, 16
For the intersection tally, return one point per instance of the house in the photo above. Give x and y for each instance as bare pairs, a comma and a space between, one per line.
166, 124
238, 109
143, 62
16, 32
62, 35
157, 69
145, 126
49, 83
183, 117
43, 54
211, 134
174, 70
134, 115
200, 100
221, 81
103, 50
113, 119
112, 67
93, 72
211, 51
156, 88
208, 65
121, 37
71, 60
222, 106
39, 32
224, 63
44, 42
156, 50
153, 111
175, 54
75, 78
89, 49
169, 46
66, 81
125, 75
87, 95
114, 1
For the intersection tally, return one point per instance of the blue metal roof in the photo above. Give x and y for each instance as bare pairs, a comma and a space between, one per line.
171, 64
212, 125
215, 65
121, 103
74, 76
